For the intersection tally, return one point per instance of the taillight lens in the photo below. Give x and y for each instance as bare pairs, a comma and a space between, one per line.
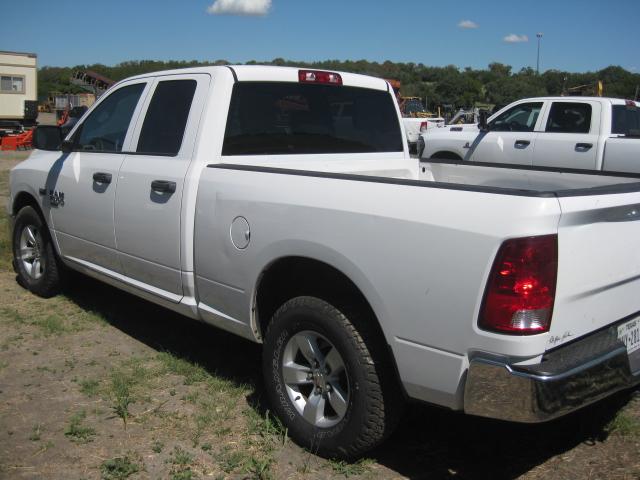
522, 286
424, 126
318, 76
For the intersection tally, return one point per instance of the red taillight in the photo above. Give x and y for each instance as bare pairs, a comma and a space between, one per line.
522, 286
317, 76
424, 126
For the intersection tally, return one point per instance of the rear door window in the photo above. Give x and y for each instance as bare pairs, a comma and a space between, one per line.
626, 120
291, 118
106, 127
567, 117
166, 118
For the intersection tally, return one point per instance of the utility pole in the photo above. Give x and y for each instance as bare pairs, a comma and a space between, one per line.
539, 35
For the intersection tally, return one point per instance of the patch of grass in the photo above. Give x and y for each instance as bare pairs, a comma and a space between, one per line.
625, 425
121, 386
181, 462
76, 431
36, 432
260, 468
49, 324
192, 372
3, 365
349, 469
118, 468
266, 426
126, 385
89, 387
5, 236
231, 460
157, 446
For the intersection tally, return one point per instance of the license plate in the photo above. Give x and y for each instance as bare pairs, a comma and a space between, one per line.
629, 333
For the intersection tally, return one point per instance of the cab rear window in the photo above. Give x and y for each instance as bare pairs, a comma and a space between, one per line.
267, 118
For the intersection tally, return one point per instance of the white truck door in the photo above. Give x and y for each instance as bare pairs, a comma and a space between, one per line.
83, 189
148, 207
571, 135
511, 137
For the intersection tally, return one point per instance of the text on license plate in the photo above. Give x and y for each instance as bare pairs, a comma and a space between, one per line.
629, 333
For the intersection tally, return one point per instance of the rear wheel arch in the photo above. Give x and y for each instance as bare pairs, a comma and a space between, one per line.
294, 276
446, 155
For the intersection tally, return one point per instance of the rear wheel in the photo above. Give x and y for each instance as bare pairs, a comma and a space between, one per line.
323, 382
34, 257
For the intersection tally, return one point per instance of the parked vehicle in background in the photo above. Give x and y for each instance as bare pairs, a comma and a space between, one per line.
415, 117
569, 132
281, 204
18, 90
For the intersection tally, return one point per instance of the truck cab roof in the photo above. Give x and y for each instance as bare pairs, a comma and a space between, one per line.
268, 73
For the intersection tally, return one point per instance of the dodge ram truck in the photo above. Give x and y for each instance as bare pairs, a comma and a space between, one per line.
567, 132
281, 204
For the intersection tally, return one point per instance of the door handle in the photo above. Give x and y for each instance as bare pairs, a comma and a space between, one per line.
163, 186
522, 143
583, 147
101, 177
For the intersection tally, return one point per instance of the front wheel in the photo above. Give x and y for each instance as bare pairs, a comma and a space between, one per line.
323, 382
34, 256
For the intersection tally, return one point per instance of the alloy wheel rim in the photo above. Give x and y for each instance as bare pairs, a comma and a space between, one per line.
316, 378
30, 252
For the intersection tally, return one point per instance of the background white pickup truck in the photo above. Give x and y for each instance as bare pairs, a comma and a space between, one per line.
415, 126
568, 132
282, 205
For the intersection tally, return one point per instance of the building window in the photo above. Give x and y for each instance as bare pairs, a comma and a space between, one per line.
12, 84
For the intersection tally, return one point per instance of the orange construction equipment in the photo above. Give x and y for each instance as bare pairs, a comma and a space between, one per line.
22, 141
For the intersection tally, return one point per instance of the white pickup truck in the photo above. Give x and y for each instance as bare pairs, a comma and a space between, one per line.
567, 132
243, 197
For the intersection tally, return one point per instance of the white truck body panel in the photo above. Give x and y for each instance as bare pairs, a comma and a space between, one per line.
368, 215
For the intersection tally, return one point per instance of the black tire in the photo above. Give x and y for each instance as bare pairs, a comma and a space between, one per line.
374, 397
44, 279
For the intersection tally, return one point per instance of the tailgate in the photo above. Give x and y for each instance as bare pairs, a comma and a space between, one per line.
598, 264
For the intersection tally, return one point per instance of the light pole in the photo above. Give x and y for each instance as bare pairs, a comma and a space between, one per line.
539, 35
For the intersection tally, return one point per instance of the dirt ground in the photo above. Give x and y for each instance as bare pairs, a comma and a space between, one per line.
96, 383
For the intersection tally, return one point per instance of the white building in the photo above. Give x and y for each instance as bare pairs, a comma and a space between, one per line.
18, 88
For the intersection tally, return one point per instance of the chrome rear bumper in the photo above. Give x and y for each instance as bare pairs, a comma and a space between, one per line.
567, 379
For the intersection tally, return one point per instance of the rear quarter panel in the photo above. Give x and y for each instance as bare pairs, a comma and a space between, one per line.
419, 255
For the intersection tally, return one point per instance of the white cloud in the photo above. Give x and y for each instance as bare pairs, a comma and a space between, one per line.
239, 7
467, 24
513, 38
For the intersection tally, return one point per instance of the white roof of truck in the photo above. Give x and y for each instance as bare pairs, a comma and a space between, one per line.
267, 73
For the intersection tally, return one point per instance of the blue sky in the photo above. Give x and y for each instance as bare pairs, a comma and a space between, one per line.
577, 35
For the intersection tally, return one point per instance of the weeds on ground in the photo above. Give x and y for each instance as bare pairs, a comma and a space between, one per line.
121, 395
181, 462
192, 372
118, 468
89, 387
348, 469
36, 432
5, 236
77, 432
624, 424
157, 446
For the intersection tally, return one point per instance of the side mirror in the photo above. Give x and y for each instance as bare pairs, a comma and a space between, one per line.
483, 126
47, 137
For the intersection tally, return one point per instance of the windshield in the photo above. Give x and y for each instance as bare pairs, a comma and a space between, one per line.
626, 120
293, 118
